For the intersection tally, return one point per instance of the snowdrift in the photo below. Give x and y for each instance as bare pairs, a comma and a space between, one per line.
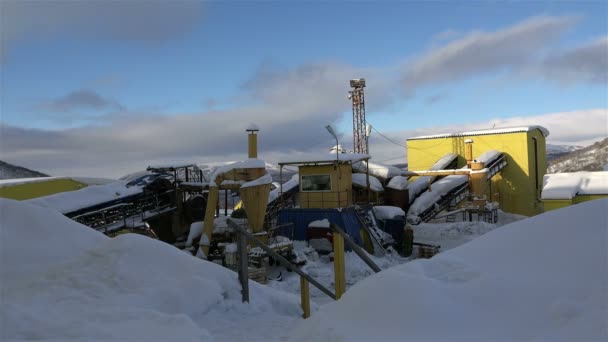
62, 280
544, 278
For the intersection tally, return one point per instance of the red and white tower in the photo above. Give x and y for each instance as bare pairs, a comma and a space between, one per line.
357, 96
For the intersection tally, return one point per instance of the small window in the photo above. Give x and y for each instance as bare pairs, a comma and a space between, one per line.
316, 182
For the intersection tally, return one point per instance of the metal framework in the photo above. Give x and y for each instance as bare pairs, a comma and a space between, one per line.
357, 97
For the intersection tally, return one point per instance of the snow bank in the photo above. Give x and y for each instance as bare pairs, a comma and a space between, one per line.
62, 280
523, 281
385, 212
380, 170
66, 202
360, 179
568, 185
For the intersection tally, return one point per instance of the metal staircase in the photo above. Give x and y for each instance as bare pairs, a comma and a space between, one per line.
380, 239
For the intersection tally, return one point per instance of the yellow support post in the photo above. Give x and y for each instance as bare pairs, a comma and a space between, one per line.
209, 218
305, 294
339, 271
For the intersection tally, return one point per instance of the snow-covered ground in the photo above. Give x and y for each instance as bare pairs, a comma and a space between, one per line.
544, 278
62, 280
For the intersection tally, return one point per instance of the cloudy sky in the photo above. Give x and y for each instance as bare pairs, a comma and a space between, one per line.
104, 89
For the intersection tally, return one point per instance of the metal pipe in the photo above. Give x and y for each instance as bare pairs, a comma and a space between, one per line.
436, 173
468, 151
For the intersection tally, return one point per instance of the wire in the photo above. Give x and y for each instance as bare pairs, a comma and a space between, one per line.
387, 138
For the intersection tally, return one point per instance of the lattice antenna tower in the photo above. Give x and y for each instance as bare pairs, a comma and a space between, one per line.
357, 96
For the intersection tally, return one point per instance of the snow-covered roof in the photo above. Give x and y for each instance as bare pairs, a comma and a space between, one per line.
503, 130
250, 163
385, 212
66, 202
568, 185
327, 158
360, 179
380, 170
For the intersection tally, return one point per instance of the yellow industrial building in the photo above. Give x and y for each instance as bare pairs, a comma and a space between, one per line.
518, 186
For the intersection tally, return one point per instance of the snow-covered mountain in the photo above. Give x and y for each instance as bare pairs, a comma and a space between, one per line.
10, 171
556, 151
591, 158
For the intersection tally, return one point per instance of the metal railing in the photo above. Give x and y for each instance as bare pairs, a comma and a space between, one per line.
339, 237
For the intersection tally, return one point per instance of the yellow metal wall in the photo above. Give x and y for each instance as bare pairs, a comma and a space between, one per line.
515, 187
549, 205
341, 187
561, 203
39, 189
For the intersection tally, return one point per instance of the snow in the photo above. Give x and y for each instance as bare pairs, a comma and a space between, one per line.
523, 281
327, 158
65, 281
287, 186
67, 202
503, 130
385, 212
488, 156
265, 179
398, 183
380, 170
250, 163
421, 183
568, 185
360, 179
319, 223
438, 189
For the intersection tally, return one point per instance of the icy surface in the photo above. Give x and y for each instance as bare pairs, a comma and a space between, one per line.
380, 170
385, 212
501, 286
398, 183
64, 281
544, 131
361, 180
66, 202
568, 185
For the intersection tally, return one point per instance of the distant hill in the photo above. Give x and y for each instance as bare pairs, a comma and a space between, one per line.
556, 151
591, 158
10, 171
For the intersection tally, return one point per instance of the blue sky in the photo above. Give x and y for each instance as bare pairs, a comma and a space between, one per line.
67, 68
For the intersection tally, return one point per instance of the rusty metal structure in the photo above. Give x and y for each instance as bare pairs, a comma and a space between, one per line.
357, 96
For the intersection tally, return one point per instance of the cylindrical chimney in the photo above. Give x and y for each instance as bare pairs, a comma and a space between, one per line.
252, 140
468, 151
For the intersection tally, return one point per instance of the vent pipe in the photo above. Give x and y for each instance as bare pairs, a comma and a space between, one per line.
252, 140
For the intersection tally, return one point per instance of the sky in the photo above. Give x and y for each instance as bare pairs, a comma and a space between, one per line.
107, 88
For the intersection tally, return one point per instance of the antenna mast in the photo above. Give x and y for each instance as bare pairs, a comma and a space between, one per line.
359, 128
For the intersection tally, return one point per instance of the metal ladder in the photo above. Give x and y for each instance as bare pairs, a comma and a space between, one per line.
371, 227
